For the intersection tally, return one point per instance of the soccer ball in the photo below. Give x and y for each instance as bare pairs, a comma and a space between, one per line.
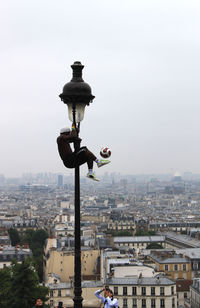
105, 152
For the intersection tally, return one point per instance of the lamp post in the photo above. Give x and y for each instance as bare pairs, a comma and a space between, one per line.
77, 94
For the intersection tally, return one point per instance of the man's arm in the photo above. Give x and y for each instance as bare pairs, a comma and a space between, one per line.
97, 294
72, 137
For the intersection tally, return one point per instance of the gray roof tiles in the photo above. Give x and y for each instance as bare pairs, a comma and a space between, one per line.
139, 239
151, 281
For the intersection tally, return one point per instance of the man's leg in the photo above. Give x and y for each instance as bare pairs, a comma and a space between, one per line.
86, 156
90, 159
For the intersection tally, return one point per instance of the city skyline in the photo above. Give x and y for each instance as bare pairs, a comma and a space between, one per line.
142, 62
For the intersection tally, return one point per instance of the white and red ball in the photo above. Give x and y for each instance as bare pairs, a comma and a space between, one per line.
105, 152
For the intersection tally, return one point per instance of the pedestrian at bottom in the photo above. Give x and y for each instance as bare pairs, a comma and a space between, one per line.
107, 299
39, 304
60, 305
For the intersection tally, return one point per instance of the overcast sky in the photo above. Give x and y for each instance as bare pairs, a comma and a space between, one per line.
142, 61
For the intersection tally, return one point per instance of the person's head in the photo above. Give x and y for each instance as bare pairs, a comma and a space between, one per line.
65, 130
109, 293
39, 302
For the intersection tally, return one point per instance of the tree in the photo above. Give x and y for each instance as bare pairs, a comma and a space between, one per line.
20, 285
27, 238
14, 236
36, 240
121, 233
40, 236
154, 246
5, 283
145, 233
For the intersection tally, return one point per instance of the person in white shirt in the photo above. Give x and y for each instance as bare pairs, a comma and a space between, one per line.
107, 299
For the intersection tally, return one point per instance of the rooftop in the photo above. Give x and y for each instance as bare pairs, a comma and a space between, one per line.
139, 239
141, 281
183, 285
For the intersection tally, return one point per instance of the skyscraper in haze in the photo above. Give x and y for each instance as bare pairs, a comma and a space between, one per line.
60, 180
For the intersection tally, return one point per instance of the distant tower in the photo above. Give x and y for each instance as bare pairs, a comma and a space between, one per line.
60, 180
177, 177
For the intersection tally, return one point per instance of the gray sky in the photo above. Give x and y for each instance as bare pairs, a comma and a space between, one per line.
142, 60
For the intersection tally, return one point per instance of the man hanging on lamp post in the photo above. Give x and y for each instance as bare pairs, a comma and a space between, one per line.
83, 155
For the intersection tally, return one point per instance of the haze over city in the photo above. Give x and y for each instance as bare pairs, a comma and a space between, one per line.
142, 62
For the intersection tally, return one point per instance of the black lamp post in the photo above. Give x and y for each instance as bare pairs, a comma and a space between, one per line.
77, 94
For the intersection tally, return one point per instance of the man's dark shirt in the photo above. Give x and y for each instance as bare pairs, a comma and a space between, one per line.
67, 155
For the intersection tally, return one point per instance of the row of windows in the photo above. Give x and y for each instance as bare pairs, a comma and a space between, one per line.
144, 303
136, 244
122, 223
52, 293
59, 294
11, 257
184, 267
119, 228
185, 295
143, 291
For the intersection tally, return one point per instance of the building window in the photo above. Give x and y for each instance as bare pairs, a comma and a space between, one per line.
115, 290
144, 303
134, 303
59, 292
51, 303
51, 293
185, 294
176, 267
166, 267
124, 290
143, 290
67, 292
184, 267
152, 290
134, 290
173, 302
162, 303
162, 291
124, 302
172, 290
153, 303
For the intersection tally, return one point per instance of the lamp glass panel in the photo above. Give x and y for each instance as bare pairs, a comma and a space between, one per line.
80, 110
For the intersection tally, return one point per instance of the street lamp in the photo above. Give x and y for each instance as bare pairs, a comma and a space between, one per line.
77, 94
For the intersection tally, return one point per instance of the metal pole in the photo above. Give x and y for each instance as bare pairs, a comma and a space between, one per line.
77, 262
77, 256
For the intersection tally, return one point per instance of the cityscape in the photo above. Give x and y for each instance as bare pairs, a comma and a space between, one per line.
140, 235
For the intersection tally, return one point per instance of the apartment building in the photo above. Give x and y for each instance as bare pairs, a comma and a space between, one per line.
183, 291
144, 292
9, 253
174, 266
195, 293
60, 261
118, 223
64, 292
